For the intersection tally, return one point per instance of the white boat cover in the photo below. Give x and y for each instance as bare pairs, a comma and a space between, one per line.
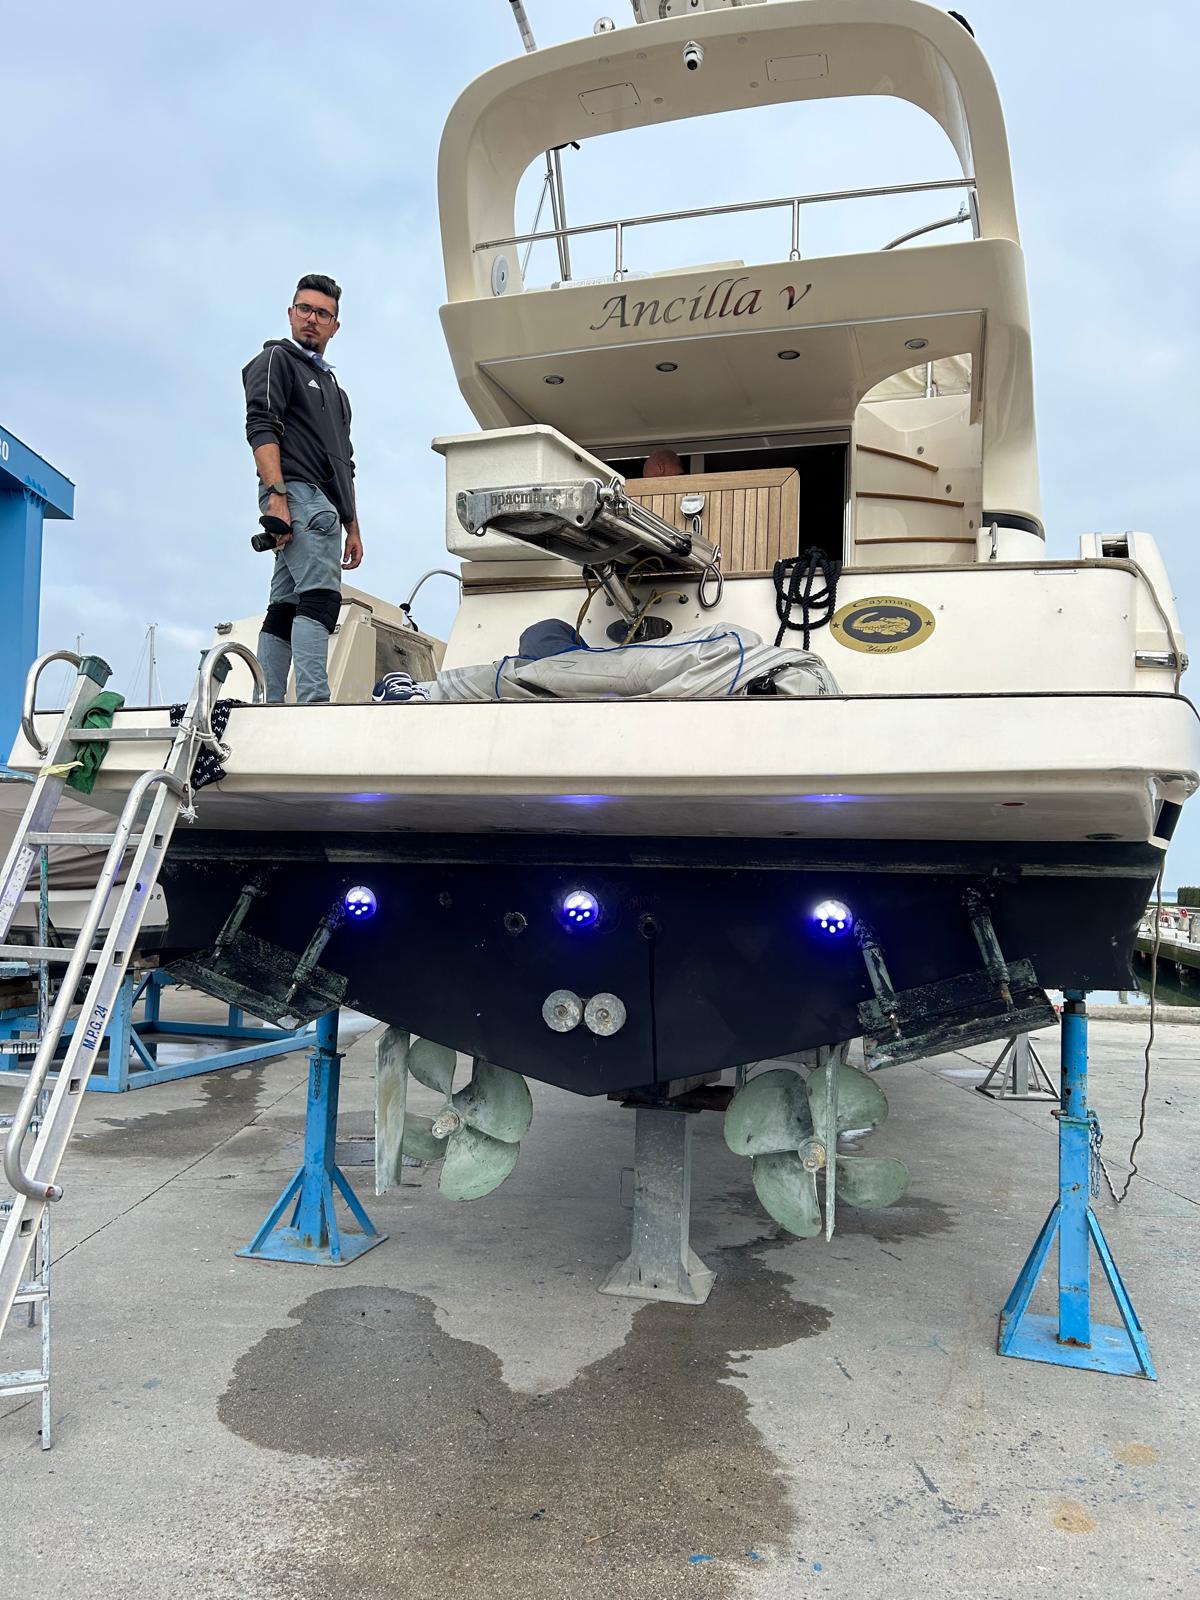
705, 664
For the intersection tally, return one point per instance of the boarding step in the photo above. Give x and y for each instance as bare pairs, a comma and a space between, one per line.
31, 1381
30, 953
121, 735
96, 840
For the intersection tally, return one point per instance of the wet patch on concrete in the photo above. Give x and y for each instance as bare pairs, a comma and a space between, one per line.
1069, 1516
611, 1487
229, 1101
912, 1217
1136, 1455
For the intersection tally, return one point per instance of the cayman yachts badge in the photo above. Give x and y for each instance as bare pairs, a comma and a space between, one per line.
882, 625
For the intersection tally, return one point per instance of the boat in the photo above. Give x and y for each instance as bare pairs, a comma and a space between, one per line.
948, 785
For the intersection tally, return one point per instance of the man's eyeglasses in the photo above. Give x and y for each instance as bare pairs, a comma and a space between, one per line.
319, 312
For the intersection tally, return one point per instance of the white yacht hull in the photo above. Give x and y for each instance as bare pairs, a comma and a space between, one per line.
708, 832
984, 767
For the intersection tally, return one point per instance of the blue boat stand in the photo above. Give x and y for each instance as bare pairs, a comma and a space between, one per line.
312, 1235
1072, 1339
130, 1061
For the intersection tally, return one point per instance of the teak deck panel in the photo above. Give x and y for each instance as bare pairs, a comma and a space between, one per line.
753, 516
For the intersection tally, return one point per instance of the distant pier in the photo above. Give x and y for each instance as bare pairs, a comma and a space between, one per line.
1178, 946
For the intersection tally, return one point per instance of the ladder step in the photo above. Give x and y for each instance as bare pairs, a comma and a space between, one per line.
98, 840
122, 735
20, 1047
31, 1293
29, 1382
41, 952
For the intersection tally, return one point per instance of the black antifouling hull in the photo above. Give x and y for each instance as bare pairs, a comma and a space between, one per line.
710, 944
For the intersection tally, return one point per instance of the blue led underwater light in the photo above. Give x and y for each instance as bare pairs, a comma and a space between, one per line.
833, 918
360, 903
579, 909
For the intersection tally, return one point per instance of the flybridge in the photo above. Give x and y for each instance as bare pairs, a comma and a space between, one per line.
562, 235
785, 52
735, 344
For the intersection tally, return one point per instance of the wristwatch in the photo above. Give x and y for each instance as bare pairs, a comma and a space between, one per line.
276, 488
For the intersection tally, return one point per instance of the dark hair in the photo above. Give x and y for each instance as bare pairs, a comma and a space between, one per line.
322, 284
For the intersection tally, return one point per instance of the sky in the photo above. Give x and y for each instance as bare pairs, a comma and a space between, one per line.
168, 172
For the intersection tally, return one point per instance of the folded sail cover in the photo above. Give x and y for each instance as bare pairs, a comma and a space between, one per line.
705, 664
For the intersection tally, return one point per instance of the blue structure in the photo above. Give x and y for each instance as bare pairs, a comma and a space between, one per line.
312, 1236
1072, 1339
30, 491
131, 1062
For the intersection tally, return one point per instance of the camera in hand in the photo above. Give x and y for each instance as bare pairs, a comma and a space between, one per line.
267, 540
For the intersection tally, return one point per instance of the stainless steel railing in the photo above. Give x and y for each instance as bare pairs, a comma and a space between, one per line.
791, 203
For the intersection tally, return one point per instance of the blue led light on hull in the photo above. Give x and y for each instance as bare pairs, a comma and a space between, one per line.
360, 903
579, 909
833, 918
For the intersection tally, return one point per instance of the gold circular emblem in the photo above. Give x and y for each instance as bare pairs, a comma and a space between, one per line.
882, 625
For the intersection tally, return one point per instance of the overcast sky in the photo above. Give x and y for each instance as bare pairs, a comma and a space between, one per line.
168, 172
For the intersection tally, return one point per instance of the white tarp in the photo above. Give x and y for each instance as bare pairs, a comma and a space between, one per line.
705, 664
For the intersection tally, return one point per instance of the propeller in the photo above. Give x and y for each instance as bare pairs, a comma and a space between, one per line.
790, 1129
476, 1135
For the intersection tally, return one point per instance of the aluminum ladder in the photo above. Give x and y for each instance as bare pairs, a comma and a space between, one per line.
33, 1292
164, 793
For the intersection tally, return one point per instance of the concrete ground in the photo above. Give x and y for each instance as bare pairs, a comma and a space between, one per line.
460, 1414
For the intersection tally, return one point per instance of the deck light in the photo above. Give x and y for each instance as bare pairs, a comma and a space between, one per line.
360, 903
789, 355
553, 377
915, 344
833, 918
666, 366
579, 909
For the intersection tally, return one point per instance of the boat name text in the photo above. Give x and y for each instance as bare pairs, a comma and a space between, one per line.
726, 298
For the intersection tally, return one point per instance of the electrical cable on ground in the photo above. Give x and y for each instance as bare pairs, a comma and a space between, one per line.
1141, 1127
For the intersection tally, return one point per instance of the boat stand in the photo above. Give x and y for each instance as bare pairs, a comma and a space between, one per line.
1022, 1073
661, 1264
131, 1061
1071, 1339
312, 1236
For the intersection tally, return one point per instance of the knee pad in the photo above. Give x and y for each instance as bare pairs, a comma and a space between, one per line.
278, 620
321, 605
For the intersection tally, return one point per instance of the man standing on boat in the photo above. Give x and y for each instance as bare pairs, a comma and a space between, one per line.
298, 425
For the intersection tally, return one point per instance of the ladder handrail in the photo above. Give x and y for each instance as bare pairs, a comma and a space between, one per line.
204, 688
202, 723
29, 706
27, 1106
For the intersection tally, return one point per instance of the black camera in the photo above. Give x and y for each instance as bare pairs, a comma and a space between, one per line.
273, 528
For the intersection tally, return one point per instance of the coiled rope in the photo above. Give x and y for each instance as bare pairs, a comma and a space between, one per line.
796, 581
